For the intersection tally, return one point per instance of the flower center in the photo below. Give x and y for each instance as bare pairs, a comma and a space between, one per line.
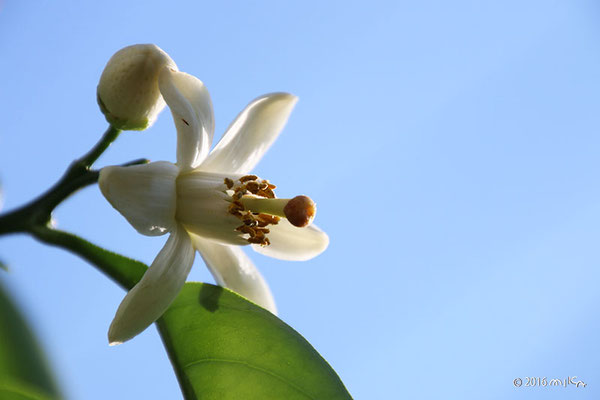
254, 203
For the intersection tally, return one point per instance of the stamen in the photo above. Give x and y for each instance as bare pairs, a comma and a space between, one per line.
255, 204
253, 187
247, 178
236, 208
238, 195
263, 241
266, 219
249, 220
266, 192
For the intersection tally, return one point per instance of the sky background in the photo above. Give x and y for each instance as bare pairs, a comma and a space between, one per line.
452, 149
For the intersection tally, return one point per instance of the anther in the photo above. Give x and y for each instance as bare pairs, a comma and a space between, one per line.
266, 192
246, 229
249, 220
267, 219
253, 187
237, 196
247, 178
236, 208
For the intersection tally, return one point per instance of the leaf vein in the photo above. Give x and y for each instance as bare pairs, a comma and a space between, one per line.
248, 365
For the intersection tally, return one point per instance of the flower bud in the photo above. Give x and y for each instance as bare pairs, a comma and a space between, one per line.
128, 93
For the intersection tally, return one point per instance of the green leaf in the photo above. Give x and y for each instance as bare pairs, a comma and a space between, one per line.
221, 345
23, 367
224, 347
13, 390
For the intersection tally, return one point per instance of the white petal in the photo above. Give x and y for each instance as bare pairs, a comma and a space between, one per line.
192, 112
233, 269
143, 194
251, 134
153, 294
202, 207
294, 244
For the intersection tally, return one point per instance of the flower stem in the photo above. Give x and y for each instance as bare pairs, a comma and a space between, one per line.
91, 156
34, 218
124, 271
78, 175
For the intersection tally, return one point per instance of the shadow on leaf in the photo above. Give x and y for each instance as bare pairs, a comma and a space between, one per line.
209, 297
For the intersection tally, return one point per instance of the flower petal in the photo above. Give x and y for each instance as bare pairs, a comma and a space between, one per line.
159, 286
233, 269
251, 134
192, 112
294, 244
144, 194
202, 204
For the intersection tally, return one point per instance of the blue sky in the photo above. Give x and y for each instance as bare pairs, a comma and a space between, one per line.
452, 149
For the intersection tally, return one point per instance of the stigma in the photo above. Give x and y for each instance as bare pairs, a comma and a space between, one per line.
254, 203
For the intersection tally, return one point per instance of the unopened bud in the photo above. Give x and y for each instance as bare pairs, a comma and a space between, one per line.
128, 92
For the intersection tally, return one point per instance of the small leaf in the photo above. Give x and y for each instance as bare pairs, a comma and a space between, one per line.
224, 347
23, 367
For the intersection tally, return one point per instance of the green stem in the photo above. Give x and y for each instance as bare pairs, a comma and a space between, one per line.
78, 175
91, 156
124, 271
38, 212
34, 218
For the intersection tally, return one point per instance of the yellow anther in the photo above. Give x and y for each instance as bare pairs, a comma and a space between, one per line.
253, 187
254, 203
247, 178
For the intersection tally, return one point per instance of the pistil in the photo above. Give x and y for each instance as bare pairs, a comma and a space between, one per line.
300, 210
253, 202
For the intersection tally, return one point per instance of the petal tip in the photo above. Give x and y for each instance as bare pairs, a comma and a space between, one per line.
323, 244
114, 336
285, 97
291, 243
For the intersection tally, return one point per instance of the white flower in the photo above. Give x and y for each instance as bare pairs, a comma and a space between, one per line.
210, 203
128, 93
